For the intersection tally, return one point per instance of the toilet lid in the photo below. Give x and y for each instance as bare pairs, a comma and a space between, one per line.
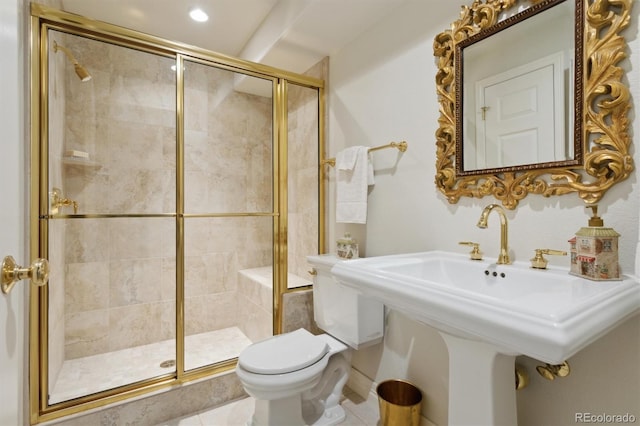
283, 353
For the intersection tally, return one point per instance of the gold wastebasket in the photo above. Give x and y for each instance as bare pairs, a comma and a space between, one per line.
399, 403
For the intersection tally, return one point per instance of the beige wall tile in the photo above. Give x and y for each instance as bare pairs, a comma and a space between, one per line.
86, 333
86, 287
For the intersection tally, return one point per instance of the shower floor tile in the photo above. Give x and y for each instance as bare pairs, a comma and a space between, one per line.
84, 376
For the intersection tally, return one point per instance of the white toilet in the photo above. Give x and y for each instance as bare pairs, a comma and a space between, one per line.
297, 378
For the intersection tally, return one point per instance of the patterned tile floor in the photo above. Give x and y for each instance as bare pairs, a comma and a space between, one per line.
83, 376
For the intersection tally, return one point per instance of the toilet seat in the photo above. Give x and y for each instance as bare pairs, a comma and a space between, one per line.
283, 353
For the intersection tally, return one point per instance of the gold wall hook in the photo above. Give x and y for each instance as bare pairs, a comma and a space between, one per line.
38, 273
550, 372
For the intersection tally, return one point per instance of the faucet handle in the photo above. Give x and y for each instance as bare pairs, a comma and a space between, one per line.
57, 201
475, 253
539, 261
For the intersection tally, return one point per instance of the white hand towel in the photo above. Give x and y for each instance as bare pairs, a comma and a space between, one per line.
352, 183
346, 159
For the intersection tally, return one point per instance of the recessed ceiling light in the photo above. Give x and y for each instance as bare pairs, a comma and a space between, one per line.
198, 15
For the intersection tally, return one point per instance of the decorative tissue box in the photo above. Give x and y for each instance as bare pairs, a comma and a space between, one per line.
347, 247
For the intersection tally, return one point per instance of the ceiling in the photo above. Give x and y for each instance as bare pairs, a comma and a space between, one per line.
288, 34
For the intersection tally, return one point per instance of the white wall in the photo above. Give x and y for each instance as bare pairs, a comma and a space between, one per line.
13, 324
382, 88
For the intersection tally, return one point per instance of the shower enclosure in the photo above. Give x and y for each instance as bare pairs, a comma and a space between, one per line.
176, 193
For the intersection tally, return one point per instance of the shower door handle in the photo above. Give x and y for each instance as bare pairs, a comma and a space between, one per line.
38, 273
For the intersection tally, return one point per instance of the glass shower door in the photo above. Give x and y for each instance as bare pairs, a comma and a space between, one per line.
304, 217
174, 192
228, 212
111, 218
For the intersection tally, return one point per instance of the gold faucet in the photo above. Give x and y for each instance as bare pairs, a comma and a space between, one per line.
58, 201
503, 258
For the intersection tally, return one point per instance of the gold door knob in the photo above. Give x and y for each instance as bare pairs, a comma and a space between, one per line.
38, 273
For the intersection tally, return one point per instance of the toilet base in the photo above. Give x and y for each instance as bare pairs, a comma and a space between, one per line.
285, 411
321, 415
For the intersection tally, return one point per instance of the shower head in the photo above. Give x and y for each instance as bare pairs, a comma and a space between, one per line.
81, 71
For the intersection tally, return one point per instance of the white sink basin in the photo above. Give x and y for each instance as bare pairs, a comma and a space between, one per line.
488, 314
545, 314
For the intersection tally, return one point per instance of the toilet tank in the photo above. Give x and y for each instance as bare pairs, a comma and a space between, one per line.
341, 311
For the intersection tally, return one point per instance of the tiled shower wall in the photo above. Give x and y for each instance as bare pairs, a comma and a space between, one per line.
228, 168
120, 272
119, 279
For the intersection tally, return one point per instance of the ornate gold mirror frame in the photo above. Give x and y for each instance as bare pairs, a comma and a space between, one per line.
606, 103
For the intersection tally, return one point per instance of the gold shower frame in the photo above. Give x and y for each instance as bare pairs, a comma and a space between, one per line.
44, 18
605, 98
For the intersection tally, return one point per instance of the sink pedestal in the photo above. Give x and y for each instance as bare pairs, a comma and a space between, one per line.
481, 384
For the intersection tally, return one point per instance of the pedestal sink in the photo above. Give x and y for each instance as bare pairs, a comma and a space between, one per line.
488, 314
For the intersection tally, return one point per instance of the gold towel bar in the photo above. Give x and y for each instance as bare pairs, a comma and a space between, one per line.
401, 146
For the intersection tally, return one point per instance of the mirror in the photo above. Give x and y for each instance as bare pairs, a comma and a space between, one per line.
531, 100
516, 108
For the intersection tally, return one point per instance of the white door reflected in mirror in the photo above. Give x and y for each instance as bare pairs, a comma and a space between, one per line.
519, 117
